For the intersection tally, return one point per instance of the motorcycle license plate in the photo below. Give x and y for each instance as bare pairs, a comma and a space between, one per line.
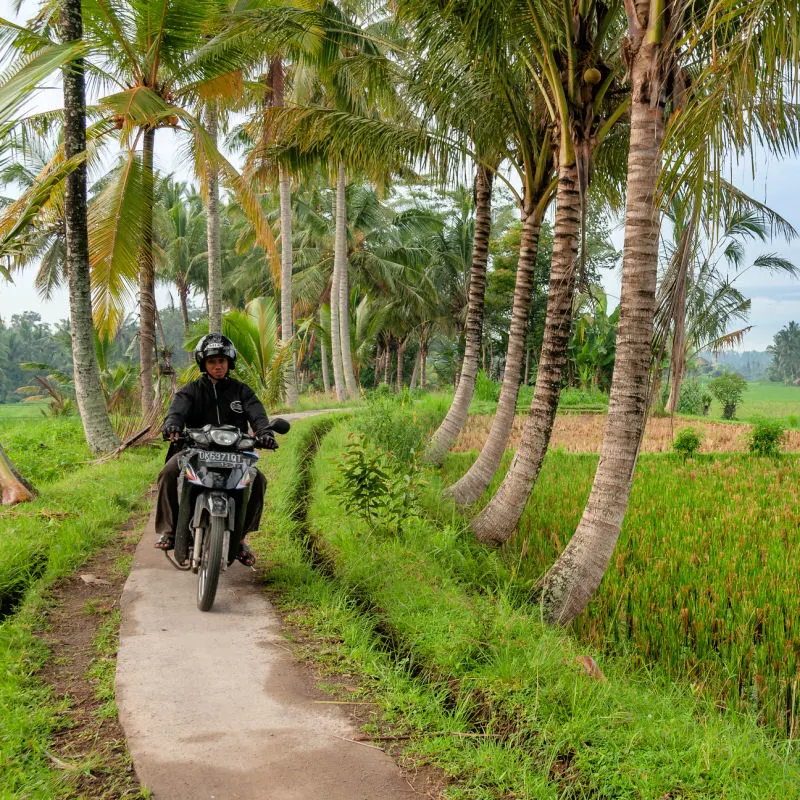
221, 459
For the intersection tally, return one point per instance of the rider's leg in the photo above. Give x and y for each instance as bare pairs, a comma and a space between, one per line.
252, 517
167, 504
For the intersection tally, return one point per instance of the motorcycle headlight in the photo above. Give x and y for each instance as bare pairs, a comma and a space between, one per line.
224, 438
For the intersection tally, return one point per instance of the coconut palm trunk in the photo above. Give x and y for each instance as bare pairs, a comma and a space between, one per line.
212, 230
339, 253
351, 384
451, 426
500, 517
678, 352
575, 576
412, 383
147, 297
97, 427
277, 85
287, 323
473, 484
323, 355
13, 487
183, 295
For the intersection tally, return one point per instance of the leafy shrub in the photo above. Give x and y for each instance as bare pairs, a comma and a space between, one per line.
728, 388
591, 396
687, 442
707, 399
374, 485
691, 398
765, 437
485, 388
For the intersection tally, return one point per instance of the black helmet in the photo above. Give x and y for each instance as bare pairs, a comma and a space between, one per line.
214, 344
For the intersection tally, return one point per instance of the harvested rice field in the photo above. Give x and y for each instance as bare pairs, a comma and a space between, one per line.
583, 433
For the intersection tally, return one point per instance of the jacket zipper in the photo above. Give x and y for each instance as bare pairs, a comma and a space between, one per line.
216, 401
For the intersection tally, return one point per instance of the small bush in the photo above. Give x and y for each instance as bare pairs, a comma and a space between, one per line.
765, 437
687, 442
728, 388
792, 421
691, 398
707, 399
375, 486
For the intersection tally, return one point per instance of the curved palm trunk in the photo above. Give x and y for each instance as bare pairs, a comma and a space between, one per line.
412, 383
277, 84
212, 231
401, 350
473, 484
147, 298
287, 324
344, 291
573, 579
100, 435
339, 253
323, 355
13, 487
500, 517
451, 426
183, 294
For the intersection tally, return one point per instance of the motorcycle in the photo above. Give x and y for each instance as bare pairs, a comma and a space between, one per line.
217, 468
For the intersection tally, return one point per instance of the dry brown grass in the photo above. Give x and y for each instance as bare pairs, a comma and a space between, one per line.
583, 433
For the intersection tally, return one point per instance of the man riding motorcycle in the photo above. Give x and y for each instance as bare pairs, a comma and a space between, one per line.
216, 399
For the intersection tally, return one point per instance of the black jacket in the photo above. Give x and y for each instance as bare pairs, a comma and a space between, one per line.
226, 402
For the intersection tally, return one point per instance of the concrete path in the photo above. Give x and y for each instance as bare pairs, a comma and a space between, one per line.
214, 705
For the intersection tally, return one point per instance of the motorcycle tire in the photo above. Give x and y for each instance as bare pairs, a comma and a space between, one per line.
210, 564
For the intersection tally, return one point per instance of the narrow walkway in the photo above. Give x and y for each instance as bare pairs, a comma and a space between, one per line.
214, 705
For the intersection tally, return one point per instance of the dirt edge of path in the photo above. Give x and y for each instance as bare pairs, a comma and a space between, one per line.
90, 746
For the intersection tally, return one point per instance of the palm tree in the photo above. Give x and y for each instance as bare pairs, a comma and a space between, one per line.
577, 68
100, 435
749, 49
156, 60
698, 290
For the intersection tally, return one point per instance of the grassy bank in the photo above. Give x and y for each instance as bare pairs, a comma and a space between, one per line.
41, 542
484, 691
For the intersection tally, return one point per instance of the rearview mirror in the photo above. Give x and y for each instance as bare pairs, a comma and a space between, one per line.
280, 425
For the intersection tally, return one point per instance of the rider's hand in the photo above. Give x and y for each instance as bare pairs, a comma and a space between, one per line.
266, 441
172, 432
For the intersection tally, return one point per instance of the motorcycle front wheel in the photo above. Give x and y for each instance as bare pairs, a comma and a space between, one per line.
210, 564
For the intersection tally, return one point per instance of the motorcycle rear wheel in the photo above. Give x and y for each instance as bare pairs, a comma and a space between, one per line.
210, 564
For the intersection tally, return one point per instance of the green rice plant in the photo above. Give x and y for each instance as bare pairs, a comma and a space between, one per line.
765, 437
701, 582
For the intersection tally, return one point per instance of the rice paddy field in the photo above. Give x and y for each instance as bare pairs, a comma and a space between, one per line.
767, 399
703, 582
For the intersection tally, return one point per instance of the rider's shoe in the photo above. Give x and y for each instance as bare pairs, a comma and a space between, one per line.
246, 556
166, 542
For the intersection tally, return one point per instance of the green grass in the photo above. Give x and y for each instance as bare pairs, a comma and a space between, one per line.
45, 449
41, 542
764, 398
17, 411
701, 584
484, 690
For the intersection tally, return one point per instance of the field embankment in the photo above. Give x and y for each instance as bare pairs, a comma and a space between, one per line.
468, 676
583, 433
41, 543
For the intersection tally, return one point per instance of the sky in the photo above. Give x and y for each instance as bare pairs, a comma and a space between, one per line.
775, 300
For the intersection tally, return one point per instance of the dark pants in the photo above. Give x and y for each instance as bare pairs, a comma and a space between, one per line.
167, 503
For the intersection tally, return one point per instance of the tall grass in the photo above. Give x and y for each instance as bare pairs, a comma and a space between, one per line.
39, 543
702, 584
